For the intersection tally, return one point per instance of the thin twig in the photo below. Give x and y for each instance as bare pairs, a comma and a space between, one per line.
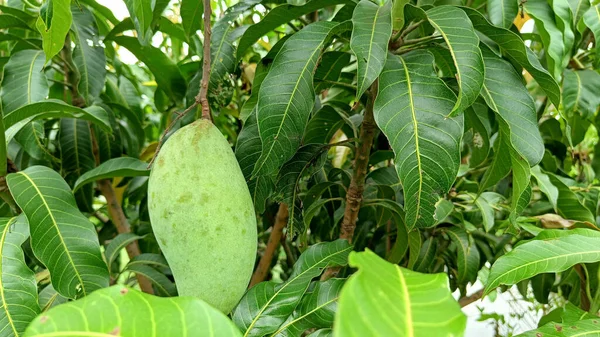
464, 301
264, 265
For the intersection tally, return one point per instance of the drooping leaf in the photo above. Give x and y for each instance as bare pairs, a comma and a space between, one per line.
24, 81
382, 299
411, 109
552, 37
462, 41
584, 328
119, 242
371, 32
542, 286
502, 13
468, 255
568, 205
317, 309
516, 50
191, 16
33, 140
77, 156
166, 72
88, 55
279, 16
18, 289
267, 305
114, 307
140, 12
164, 286
591, 18
580, 92
563, 16
56, 225
287, 96
550, 255
116, 167
53, 24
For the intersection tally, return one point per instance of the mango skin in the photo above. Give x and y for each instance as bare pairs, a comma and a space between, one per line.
202, 215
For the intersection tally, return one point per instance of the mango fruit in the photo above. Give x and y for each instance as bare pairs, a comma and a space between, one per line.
202, 215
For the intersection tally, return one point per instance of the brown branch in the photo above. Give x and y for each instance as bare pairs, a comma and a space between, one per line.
464, 301
354, 195
203, 94
281, 220
118, 218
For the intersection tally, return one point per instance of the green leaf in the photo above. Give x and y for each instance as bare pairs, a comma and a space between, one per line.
88, 55
371, 32
502, 13
484, 202
287, 96
317, 309
267, 305
141, 13
33, 140
191, 16
109, 311
546, 186
382, 299
330, 68
542, 256
247, 152
12, 21
18, 288
119, 242
591, 18
53, 24
116, 167
552, 37
468, 255
578, 8
568, 204
166, 72
322, 333
504, 92
24, 81
580, 92
477, 122
411, 109
323, 125
516, 50
279, 16
77, 156
162, 284
584, 328
222, 50
50, 298
398, 14
563, 17
56, 225
462, 41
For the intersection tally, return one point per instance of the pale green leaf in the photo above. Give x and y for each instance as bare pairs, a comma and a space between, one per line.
56, 225
382, 299
584, 328
578, 8
371, 32
411, 109
545, 185
53, 24
116, 167
127, 312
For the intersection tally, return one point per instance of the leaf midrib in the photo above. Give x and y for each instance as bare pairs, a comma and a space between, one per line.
55, 224
318, 307
3, 297
370, 47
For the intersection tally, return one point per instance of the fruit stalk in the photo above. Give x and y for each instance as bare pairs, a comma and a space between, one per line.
203, 94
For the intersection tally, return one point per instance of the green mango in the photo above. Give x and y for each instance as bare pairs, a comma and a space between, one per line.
202, 215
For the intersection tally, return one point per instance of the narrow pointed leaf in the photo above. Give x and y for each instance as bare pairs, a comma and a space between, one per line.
53, 24
141, 13
371, 32
517, 51
24, 81
382, 299
18, 288
279, 16
223, 59
330, 69
116, 167
502, 13
268, 304
191, 16
110, 311
468, 255
411, 109
463, 43
542, 256
287, 96
56, 225
88, 55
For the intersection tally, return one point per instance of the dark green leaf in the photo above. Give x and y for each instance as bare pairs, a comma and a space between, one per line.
398, 14
330, 68
33, 140
468, 255
57, 226
568, 204
24, 81
141, 13
116, 167
580, 92
592, 19
119, 242
322, 126
411, 109
162, 284
502, 13
49, 298
191, 16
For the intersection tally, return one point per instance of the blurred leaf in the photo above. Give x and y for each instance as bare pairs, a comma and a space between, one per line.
18, 287
371, 32
502, 13
551, 255
546, 185
141, 13
584, 328
322, 126
191, 16
591, 18
267, 305
580, 93
542, 285
477, 121
468, 255
398, 14
56, 225
53, 24
427, 151
461, 39
568, 204
24, 81
49, 298
161, 283
32, 138
330, 68
112, 309
116, 167
382, 299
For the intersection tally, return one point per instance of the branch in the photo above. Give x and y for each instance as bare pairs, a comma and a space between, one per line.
464, 301
281, 220
118, 218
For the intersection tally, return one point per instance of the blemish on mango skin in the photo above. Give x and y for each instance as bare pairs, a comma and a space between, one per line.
185, 197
